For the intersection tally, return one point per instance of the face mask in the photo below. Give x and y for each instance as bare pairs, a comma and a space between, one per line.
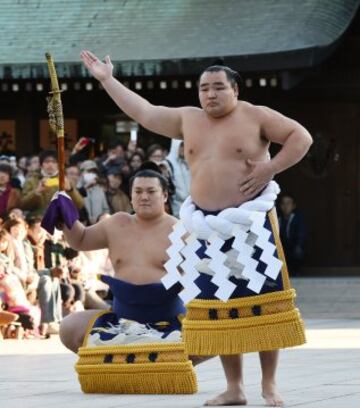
89, 178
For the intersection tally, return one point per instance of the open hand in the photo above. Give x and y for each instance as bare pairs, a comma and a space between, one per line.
81, 143
100, 70
41, 187
261, 173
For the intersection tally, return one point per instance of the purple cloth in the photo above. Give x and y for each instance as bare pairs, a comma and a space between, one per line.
61, 210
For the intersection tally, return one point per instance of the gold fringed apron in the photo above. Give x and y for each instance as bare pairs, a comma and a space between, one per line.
261, 322
154, 367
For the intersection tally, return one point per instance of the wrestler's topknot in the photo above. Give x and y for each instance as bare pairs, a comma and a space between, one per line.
233, 76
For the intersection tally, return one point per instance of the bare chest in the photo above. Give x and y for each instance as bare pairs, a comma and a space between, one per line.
139, 249
235, 138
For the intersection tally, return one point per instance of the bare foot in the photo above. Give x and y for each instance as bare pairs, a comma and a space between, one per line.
271, 395
228, 398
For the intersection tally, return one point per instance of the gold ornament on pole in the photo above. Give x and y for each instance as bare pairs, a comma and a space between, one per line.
56, 119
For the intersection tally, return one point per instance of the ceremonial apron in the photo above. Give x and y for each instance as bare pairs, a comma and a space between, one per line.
236, 285
136, 347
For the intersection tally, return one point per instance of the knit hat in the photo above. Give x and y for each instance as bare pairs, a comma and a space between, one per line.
88, 165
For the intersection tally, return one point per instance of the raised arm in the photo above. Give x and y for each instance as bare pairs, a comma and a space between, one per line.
158, 119
84, 238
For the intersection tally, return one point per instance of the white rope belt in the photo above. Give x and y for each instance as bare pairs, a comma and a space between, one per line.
245, 224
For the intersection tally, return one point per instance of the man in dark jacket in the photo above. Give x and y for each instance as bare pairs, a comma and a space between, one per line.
292, 233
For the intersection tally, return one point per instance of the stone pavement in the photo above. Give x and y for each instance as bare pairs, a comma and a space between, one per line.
324, 373
328, 298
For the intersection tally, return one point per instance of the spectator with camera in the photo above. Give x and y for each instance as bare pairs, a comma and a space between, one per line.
40, 187
81, 151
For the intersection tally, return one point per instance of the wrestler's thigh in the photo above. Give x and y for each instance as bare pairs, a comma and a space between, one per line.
73, 328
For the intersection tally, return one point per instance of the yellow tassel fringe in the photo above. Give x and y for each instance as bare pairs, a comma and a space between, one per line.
276, 324
106, 369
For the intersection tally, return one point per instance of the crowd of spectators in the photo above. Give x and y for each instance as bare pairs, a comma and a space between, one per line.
41, 278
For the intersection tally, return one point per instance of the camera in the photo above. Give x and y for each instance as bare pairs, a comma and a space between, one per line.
52, 182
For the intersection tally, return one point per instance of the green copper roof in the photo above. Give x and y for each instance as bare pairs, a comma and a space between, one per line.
143, 35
